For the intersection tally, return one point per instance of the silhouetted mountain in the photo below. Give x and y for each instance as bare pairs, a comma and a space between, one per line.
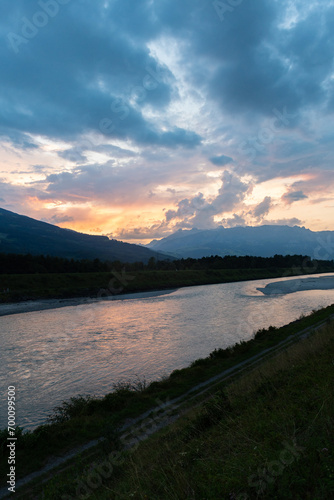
20, 234
262, 241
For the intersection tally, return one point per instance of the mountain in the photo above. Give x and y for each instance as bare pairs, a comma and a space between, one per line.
262, 241
20, 234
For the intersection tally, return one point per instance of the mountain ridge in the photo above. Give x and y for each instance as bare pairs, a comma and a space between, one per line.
262, 241
21, 234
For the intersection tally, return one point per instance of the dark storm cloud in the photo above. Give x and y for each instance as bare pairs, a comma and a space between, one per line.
250, 62
275, 67
90, 62
80, 70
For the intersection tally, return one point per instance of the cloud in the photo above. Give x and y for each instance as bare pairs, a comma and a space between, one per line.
199, 212
19, 140
109, 72
236, 220
270, 65
262, 208
293, 196
59, 219
187, 208
80, 72
78, 153
221, 161
294, 221
74, 155
114, 184
114, 151
19, 198
39, 168
153, 231
317, 186
232, 192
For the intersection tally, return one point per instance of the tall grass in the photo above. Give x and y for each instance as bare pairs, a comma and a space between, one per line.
267, 435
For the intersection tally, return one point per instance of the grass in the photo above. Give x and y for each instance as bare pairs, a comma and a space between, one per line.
68, 285
82, 419
268, 434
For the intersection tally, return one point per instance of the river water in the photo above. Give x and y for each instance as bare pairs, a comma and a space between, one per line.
52, 355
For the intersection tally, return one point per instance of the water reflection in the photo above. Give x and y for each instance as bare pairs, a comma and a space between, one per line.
55, 354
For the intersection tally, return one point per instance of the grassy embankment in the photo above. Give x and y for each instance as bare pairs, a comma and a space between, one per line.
268, 434
231, 444
68, 285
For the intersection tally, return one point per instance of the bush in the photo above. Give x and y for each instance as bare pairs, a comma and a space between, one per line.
221, 353
76, 406
264, 332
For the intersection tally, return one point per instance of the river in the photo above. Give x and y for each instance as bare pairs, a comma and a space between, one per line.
52, 355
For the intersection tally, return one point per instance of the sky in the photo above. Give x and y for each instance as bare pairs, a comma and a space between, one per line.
136, 118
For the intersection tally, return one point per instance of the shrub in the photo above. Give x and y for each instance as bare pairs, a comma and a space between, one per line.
76, 406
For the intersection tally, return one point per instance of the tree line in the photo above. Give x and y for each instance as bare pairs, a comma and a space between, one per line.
32, 264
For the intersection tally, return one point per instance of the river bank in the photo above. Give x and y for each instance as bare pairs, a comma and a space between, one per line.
81, 418
298, 285
38, 292
45, 304
86, 349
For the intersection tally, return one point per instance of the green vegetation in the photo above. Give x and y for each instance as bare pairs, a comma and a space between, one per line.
19, 287
269, 434
46, 264
25, 277
287, 392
